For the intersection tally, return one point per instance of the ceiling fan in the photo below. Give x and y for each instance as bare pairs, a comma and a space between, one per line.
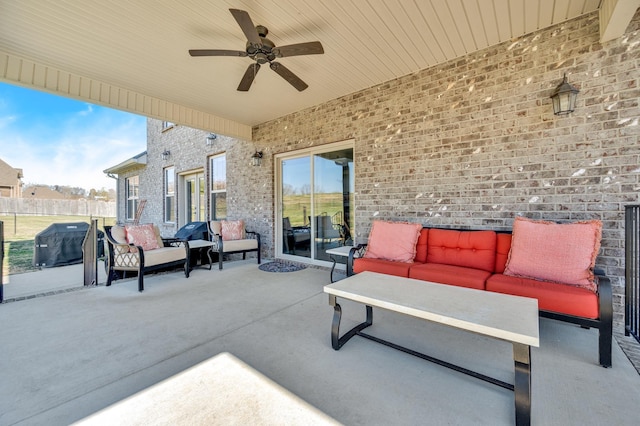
262, 51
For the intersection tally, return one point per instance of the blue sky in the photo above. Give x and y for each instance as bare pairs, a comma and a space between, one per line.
61, 141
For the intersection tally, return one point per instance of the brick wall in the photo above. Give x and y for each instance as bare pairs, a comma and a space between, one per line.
473, 142
249, 189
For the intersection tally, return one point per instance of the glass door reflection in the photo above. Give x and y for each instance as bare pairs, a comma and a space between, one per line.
296, 206
332, 201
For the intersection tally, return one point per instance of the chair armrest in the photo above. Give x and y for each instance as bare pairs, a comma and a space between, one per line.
605, 296
355, 252
123, 254
254, 235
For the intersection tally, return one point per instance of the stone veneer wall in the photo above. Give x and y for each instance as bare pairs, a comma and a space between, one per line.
473, 142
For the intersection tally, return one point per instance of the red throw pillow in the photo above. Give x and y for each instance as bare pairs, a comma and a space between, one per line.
142, 235
232, 230
548, 251
393, 241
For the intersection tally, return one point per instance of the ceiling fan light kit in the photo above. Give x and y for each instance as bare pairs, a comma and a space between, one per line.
262, 51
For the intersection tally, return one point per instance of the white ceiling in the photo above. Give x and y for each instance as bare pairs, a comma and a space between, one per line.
141, 46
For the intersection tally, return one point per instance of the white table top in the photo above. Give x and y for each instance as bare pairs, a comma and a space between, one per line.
222, 390
340, 251
502, 316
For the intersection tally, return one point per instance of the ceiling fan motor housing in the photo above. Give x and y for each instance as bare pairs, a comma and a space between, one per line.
261, 54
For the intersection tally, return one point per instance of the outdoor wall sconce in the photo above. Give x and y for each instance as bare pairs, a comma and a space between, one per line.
564, 98
256, 158
211, 138
166, 154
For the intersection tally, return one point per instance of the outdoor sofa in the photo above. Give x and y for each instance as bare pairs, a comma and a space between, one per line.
141, 249
553, 263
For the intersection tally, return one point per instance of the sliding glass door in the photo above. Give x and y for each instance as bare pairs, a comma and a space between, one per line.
315, 200
194, 197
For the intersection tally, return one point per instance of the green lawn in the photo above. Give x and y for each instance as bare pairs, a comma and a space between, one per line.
19, 237
295, 207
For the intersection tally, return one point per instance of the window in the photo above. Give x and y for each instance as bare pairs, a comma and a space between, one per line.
169, 195
218, 185
132, 188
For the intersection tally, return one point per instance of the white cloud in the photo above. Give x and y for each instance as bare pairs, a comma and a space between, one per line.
76, 151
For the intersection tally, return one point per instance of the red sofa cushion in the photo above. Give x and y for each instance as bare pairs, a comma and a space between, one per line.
421, 246
555, 297
473, 249
461, 276
390, 267
503, 246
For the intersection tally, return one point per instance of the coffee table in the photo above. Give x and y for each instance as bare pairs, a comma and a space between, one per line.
501, 316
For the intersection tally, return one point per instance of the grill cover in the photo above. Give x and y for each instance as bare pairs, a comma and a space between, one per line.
61, 244
193, 231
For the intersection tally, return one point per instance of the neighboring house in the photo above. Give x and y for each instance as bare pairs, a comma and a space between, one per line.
42, 192
127, 174
10, 181
470, 143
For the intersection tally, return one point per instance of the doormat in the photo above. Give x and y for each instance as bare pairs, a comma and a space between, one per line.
281, 267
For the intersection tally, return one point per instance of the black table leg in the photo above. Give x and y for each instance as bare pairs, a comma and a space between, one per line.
333, 267
522, 384
336, 341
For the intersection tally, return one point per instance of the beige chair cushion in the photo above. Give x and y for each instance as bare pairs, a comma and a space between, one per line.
164, 255
158, 236
118, 234
237, 245
216, 227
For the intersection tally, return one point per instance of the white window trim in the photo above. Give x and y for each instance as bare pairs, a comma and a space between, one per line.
131, 215
216, 191
167, 194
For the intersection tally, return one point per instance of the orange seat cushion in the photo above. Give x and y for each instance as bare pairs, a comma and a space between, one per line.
390, 267
450, 274
421, 246
555, 297
503, 246
473, 249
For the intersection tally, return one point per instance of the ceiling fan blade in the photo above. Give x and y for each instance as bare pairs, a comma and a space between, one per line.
309, 48
247, 78
246, 25
216, 52
293, 79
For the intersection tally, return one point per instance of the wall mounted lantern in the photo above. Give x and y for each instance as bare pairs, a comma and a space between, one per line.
564, 98
166, 154
256, 158
211, 138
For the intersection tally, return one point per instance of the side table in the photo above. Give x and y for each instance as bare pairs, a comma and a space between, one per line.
333, 253
200, 247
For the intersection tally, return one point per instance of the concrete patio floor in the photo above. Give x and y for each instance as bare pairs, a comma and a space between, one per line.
71, 354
